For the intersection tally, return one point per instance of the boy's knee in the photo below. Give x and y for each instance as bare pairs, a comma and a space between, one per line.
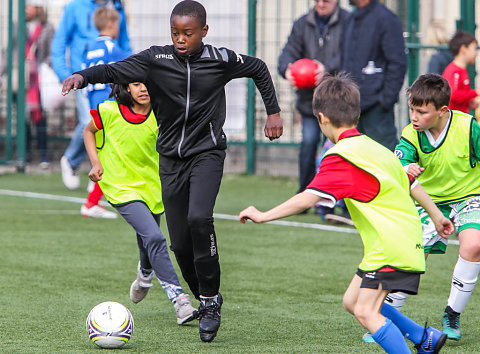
361, 313
348, 304
199, 222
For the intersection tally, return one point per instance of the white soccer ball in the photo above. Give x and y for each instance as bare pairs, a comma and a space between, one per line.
110, 325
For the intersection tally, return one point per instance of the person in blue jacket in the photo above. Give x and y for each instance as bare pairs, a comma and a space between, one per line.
75, 30
374, 54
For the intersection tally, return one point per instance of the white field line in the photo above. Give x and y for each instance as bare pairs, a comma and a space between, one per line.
323, 227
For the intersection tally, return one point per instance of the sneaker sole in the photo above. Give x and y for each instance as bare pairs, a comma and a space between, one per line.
441, 341
452, 338
181, 321
337, 219
208, 339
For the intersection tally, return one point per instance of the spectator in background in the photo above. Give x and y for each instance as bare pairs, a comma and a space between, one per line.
463, 45
436, 35
39, 37
374, 54
39, 33
316, 35
101, 50
75, 30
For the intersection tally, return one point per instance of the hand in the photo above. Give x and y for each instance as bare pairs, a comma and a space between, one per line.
444, 227
273, 126
250, 213
415, 170
74, 82
288, 75
96, 172
320, 73
473, 104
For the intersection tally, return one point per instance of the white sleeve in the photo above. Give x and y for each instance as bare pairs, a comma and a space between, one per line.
327, 200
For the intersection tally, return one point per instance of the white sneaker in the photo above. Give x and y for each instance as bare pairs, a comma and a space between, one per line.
140, 286
184, 309
69, 176
97, 211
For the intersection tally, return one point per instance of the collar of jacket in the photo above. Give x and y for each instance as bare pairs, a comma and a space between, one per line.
334, 18
359, 13
116, 3
192, 57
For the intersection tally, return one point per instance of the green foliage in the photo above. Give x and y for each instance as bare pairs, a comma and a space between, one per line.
282, 286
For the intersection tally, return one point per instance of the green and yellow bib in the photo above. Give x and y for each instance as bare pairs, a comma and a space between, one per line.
449, 174
388, 224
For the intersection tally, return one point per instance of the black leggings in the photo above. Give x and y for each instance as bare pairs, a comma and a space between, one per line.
189, 189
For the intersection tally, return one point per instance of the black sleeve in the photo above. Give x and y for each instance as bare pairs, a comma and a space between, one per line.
240, 65
132, 69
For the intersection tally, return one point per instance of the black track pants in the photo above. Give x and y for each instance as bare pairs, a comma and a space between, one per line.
189, 190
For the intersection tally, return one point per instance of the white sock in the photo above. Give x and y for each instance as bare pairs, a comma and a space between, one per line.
464, 278
207, 300
396, 299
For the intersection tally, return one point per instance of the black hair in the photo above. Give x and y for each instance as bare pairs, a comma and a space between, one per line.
429, 88
190, 8
459, 39
121, 94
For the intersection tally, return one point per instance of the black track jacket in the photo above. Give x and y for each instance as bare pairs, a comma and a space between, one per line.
187, 93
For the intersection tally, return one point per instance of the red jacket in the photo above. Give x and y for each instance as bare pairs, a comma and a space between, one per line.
459, 82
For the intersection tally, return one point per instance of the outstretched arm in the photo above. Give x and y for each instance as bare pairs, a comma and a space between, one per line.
442, 224
294, 205
96, 172
132, 69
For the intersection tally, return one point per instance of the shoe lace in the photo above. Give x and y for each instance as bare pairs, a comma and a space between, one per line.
209, 311
453, 321
424, 336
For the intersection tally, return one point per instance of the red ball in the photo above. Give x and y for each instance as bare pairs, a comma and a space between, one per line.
303, 73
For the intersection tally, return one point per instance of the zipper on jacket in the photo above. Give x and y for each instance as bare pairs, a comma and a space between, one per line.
212, 135
187, 109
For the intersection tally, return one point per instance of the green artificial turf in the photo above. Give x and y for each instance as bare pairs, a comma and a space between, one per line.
282, 286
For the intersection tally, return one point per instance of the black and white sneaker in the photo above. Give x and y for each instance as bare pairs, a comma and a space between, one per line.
210, 317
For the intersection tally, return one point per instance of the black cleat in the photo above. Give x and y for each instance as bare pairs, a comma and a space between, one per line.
210, 317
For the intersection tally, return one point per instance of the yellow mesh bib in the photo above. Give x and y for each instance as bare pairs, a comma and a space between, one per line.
129, 158
388, 224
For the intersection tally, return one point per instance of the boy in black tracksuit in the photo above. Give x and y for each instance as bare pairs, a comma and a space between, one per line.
186, 83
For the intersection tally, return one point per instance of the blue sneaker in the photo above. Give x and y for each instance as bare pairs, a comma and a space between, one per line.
451, 326
367, 338
432, 341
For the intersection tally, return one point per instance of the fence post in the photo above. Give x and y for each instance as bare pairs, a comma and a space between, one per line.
8, 132
467, 23
412, 29
21, 136
252, 48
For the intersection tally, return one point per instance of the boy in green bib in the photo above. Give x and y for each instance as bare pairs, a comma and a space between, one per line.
377, 192
441, 148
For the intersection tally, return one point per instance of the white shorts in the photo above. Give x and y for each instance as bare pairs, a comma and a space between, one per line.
464, 214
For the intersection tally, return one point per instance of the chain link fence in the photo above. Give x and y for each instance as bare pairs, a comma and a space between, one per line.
148, 24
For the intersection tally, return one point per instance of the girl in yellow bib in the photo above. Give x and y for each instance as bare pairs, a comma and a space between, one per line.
120, 142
